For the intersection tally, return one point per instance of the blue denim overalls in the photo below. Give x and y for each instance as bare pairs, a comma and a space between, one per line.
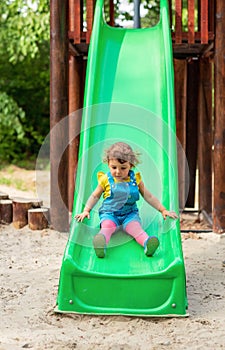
121, 206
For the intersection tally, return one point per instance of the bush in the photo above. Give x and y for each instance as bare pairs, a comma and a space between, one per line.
12, 140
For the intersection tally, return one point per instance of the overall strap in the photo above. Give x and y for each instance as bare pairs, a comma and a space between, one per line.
110, 178
132, 177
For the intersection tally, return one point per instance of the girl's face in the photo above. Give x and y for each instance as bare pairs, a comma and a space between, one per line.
118, 170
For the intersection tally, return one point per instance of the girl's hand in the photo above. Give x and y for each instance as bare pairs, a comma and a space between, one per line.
82, 216
171, 214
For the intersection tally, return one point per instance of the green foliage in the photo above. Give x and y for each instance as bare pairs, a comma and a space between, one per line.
12, 133
152, 8
24, 77
23, 26
123, 12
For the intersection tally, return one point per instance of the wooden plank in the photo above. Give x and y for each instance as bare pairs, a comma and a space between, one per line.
59, 110
192, 126
204, 21
71, 16
191, 21
77, 21
211, 10
90, 15
205, 136
211, 36
219, 122
178, 21
192, 50
111, 13
170, 12
180, 75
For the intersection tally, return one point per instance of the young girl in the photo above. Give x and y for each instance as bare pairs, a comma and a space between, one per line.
120, 188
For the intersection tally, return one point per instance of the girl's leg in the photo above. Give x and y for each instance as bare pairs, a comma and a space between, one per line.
134, 229
108, 227
150, 243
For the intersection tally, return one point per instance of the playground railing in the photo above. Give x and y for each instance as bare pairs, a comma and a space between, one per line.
191, 23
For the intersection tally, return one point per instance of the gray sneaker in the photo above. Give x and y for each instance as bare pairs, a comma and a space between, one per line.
150, 246
99, 245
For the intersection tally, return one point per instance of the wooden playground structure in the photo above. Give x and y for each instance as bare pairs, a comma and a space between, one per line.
199, 67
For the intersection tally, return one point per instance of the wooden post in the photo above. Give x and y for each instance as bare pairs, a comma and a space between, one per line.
5, 211
180, 74
191, 21
71, 16
77, 21
59, 110
111, 13
75, 103
90, 16
20, 210
192, 128
211, 10
204, 19
38, 218
75, 96
178, 21
219, 126
205, 135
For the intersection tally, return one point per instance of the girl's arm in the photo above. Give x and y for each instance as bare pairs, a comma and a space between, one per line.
92, 200
154, 202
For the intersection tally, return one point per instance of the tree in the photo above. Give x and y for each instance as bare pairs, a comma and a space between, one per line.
12, 132
24, 26
24, 74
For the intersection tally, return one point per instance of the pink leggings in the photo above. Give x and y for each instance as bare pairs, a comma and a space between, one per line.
133, 228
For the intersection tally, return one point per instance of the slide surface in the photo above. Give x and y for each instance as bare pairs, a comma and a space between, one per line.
129, 96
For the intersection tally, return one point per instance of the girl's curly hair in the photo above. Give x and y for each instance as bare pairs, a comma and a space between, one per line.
122, 152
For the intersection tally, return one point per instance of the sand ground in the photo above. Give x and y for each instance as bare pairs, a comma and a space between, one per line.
29, 275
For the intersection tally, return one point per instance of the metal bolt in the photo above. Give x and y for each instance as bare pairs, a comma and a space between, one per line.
71, 301
174, 305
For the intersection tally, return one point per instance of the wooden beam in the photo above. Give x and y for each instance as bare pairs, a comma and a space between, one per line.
77, 21
75, 103
73, 50
219, 124
193, 50
211, 9
192, 126
205, 135
170, 12
197, 37
59, 110
180, 74
111, 13
204, 19
90, 15
178, 21
71, 16
191, 21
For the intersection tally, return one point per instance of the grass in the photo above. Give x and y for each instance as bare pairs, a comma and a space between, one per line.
18, 177
5, 181
28, 164
17, 183
24, 164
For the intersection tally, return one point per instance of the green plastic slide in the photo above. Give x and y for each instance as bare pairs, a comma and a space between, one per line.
129, 97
